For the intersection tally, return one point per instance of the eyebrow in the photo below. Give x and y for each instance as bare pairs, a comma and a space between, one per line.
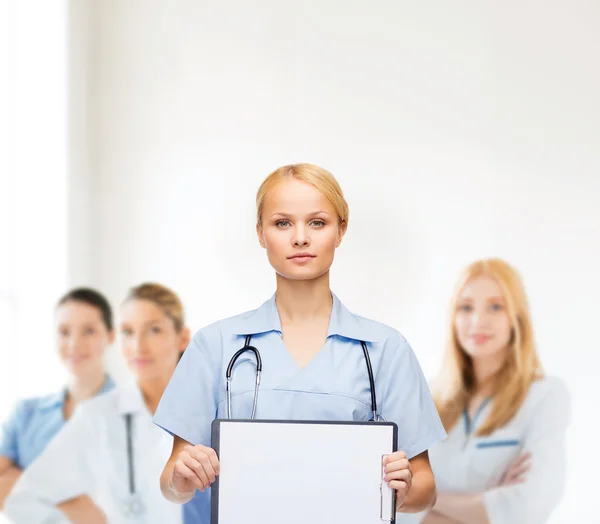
470, 299
287, 215
147, 323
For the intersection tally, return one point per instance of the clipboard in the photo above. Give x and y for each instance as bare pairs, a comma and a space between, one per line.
301, 471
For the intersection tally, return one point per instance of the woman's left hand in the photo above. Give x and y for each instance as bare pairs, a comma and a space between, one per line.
398, 475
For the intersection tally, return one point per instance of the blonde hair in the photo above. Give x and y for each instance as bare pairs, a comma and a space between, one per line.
166, 299
318, 177
456, 382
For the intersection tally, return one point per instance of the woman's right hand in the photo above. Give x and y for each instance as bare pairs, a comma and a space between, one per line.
515, 474
196, 467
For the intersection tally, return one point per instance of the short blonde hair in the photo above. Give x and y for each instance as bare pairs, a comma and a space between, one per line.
455, 384
166, 299
318, 177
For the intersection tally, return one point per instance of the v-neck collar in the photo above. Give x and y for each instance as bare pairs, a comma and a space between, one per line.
470, 425
342, 322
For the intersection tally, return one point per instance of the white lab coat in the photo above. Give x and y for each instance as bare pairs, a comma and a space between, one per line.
89, 456
465, 463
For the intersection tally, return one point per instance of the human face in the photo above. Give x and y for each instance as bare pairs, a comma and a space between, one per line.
300, 230
150, 343
82, 337
481, 322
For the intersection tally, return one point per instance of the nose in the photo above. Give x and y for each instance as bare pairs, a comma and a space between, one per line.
136, 343
73, 342
480, 319
301, 239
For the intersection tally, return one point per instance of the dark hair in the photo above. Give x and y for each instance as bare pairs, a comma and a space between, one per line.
93, 298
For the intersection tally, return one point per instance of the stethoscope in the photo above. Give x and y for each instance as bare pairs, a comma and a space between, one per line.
131, 506
247, 347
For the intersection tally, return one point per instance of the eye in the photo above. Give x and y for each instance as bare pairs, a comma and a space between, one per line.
63, 332
282, 223
155, 329
496, 307
127, 332
466, 308
318, 223
90, 331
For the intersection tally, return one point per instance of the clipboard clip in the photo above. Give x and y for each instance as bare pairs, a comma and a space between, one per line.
387, 508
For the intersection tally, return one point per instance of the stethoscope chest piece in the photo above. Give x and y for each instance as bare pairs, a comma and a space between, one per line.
133, 506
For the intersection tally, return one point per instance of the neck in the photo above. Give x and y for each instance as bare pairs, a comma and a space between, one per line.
303, 300
152, 391
485, 371
86, 386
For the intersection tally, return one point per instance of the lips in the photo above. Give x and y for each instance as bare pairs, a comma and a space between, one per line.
77, 359
140, 362
480, 339
301, 256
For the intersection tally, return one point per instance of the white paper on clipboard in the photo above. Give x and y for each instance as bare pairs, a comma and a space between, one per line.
302, 471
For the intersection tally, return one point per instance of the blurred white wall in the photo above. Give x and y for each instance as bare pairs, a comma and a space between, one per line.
457, 130
33, 193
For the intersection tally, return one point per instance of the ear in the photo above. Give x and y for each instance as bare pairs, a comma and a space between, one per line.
341, 233
184, 337
261, 236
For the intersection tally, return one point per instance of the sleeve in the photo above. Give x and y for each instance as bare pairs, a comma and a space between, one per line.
61, 472
189, 403
9, 432
406, 399
534, 500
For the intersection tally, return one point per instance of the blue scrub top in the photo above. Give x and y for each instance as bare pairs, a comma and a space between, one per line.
333, 386
32, 424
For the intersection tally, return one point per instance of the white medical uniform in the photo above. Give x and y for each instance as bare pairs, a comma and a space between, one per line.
466, 463
89, 456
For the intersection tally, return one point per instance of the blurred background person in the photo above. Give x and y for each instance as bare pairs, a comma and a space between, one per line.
103, 466
504, 460
84, 330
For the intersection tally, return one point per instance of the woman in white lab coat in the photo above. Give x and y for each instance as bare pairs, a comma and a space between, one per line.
103, 466
504, 461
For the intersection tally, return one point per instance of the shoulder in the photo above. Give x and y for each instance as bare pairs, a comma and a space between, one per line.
548, 401
548, 389
381, 332
254, 321
232, 325
107, 402
31, 405
348, 324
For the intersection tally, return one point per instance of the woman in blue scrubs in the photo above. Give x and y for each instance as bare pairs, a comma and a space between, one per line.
313, 364
84, 325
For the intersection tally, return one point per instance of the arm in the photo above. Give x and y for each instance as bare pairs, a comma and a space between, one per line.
9, 474
437, 518
533, 499
9, 450
413, 481
471, 507
82, 510
463, 508
406, 400
59, 478
189, 468
192, 464
423, 493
